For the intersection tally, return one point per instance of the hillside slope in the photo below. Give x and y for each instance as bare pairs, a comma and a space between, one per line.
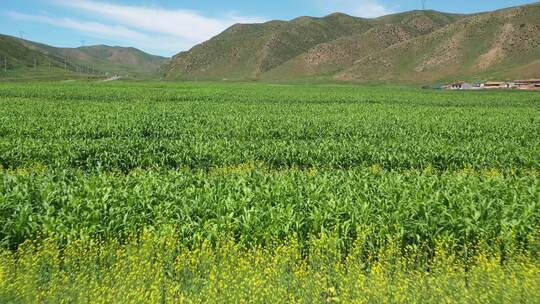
339, 54
502, 44
25, 56
246, 51
416, 46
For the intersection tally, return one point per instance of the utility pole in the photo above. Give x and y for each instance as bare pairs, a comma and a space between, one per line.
5, 64
65, 63
21, 34
49, 63
424, 5
35, 64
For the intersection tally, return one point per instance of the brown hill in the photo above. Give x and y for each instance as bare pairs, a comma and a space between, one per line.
503, 44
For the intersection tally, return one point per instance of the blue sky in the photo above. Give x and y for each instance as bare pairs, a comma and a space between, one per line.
166, 27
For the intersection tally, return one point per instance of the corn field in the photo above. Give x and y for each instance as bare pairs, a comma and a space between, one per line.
204, 192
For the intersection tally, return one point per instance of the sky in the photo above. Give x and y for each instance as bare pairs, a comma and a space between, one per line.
166, 27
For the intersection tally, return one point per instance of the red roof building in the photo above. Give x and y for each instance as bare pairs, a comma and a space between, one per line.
529, 84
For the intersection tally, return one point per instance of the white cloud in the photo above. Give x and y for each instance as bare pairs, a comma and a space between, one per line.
121, 35
360, 8
107, 31
150, 28
185, 24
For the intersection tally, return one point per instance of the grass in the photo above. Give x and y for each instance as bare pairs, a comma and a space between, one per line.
43, 74
204, 192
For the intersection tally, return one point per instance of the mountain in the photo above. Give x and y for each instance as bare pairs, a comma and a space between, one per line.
411, 47
26, 57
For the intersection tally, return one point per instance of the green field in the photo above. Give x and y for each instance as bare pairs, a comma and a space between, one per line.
205, 192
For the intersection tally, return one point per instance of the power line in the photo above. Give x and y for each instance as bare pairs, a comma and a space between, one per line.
21, 34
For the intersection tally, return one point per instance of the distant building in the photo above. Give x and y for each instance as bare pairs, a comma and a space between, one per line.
496, 85
530, 84
461, 85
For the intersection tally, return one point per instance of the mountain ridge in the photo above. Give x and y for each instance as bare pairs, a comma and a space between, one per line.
415, 46
94, 59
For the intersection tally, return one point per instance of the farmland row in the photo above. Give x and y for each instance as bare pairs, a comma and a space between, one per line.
257, 207
124, 135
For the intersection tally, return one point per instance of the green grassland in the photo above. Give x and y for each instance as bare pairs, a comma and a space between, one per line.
45, 74
203, 192
24, 60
